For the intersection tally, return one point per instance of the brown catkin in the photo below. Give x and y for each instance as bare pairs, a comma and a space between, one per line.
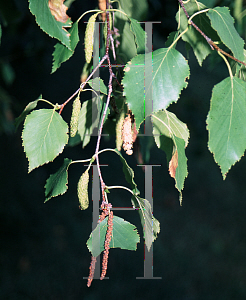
83, 190
75, 117
106, 245
118, 129
127, 135
92, 270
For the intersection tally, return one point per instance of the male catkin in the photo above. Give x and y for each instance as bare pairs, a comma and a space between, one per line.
89, 38
75, 116
118, 129
83, 190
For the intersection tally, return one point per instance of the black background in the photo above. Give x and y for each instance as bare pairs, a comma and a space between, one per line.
200, 251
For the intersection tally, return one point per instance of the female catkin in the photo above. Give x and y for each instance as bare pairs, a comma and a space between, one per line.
75, 117
83, 190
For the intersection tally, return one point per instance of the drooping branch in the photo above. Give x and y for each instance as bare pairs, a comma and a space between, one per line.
111, 75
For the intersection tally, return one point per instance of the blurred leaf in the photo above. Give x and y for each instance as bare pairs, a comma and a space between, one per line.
7, 71
135, 9
209, 3
140, 36
9, 12
127, 47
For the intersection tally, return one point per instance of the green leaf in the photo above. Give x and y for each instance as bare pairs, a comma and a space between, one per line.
124, 236
44, 136
86, 124
98, 85
223, 23
151, 226
170, 70
168, 124
62, 53
56, 184
129, 174
199, 45
30, 106
140, 35
171, 136
127, 47
226, 122
48, 23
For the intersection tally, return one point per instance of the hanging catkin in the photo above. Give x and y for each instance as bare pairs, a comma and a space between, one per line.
127, 135
89, 38
106, 245
92, 270
118, 129
75, 117
83, 190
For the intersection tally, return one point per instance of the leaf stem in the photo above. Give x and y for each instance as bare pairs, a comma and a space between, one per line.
120, 187
197, 13
54, 105
89, 11
227, 63
175, 41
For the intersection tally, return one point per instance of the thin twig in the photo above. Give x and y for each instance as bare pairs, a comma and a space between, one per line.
111, 75
83, 84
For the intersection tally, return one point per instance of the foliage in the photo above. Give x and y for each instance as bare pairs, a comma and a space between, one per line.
45, 132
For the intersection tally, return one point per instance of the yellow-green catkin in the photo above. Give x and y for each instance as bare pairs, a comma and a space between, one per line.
105, 29
75, 117
118, 129
82, 190
89, 37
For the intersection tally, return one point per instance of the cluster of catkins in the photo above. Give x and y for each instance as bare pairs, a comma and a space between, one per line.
106, 212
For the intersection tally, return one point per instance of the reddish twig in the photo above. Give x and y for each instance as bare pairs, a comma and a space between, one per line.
82, 84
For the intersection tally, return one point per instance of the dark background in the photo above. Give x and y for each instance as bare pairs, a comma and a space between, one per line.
200, 251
